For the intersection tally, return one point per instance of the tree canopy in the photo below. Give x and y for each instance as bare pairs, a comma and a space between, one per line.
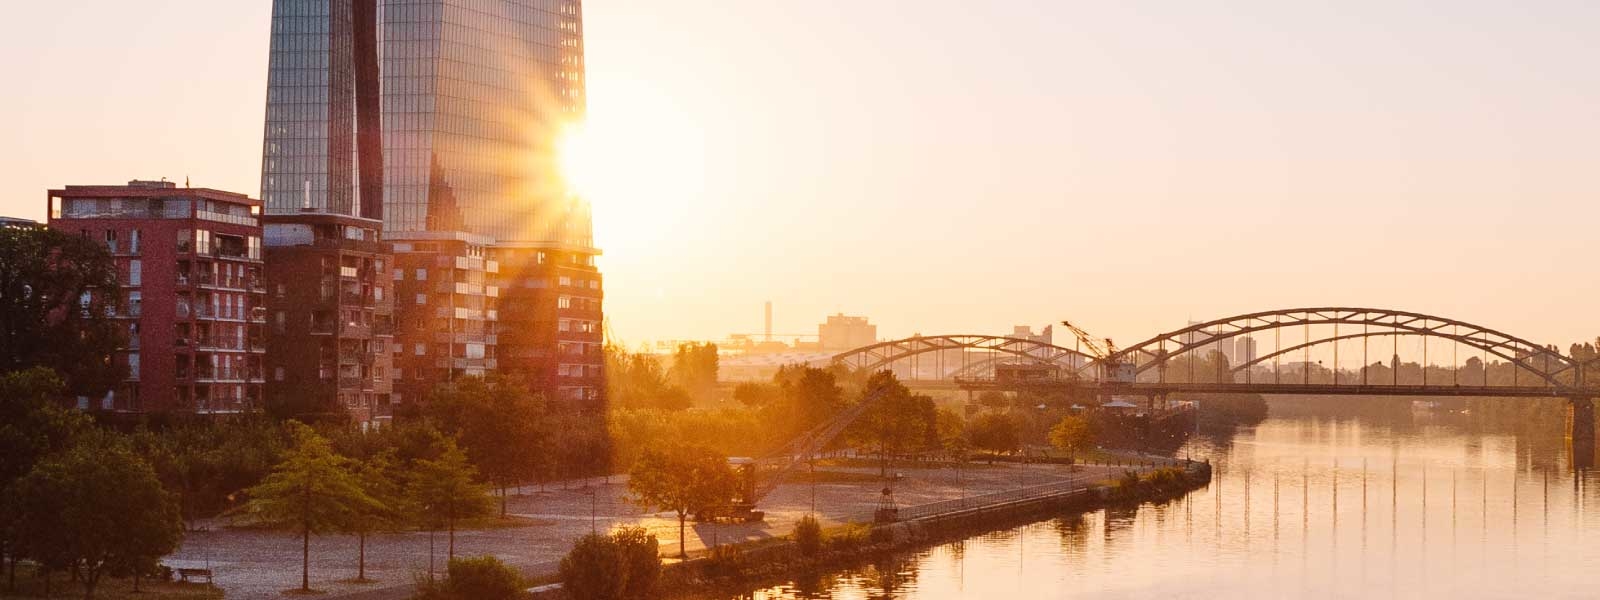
312, 491
445, 491
684, 479
56, 290
96, 508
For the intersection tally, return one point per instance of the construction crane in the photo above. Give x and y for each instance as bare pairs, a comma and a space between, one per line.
1112, 369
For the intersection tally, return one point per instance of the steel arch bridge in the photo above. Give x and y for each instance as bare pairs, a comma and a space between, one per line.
978, 354
1322, 326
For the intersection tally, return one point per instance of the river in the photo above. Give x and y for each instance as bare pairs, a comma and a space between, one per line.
1300, 506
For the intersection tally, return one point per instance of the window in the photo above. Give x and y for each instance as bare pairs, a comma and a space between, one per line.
564, 302
420, 350
399, 274
133, 242
594, 284
277, 374
422, 298
564, 325
566, 282
422, 274
135, 303
133, 365
135, 272
111, 240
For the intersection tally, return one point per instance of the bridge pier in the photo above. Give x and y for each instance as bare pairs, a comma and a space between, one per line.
1580, 431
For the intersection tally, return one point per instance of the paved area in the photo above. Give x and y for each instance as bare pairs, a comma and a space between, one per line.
260, 564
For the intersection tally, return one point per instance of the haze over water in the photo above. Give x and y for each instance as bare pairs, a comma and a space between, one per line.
1301, 506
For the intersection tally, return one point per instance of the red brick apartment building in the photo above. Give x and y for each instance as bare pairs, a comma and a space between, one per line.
190, 263
330, 305
551, 326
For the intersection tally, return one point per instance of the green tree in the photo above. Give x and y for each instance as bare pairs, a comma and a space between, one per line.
445, 491
812, 396
32, 426
501, 426
637, 381
378, 477
1072, 434
684, 479
621, 566
56, 292
895, 422
313, 491
96, 508
694, 367
994, 432
756, 394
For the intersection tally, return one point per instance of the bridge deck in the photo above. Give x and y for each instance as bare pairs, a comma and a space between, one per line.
1158, 389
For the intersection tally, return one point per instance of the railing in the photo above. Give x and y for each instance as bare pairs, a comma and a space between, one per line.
1060, 488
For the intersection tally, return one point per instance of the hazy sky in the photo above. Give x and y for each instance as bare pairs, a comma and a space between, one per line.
950, 166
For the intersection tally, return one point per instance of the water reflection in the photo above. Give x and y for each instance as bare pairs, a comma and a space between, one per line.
1299, 506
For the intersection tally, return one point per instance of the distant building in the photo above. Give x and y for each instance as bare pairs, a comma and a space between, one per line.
1025, 332
845, 333
1244, 350
190, 262
330, 305
19, 223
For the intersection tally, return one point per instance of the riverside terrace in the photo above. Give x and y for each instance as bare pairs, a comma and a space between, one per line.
251, 563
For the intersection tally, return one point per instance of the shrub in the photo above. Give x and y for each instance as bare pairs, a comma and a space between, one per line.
808, 536
849, 537
481, 578
725, 560
623, 565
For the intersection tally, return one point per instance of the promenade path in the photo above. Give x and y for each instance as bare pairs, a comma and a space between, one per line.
260, 564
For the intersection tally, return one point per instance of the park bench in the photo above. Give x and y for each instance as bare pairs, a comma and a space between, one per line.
185, 574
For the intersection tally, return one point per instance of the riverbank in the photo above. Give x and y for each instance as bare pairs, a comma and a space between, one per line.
734, 569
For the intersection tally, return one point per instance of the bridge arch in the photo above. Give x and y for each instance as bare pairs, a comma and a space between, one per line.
1546, 364
879, 356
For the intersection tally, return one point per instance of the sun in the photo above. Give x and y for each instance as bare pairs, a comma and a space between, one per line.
578, 156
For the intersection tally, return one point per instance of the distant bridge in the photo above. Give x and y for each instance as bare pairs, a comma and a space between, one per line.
1480, 361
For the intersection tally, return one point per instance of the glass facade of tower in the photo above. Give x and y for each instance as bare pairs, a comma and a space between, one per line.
317, 86
475, 95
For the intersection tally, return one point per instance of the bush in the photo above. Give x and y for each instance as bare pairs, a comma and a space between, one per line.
850, 537
623, 565
808, 536
481, 578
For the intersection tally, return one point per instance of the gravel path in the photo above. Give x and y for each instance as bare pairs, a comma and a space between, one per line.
258, 564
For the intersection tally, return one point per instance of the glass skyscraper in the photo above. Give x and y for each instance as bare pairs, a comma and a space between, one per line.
321, 147
475, 95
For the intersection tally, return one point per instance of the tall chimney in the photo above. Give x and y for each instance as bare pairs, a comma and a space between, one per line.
769, 321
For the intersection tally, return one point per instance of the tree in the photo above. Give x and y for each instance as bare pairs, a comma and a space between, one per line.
683, 479
313, 491
621, 566
1072, 434
813, 395
445, 491
56, 291
96, 508
636, 380
994, 432
32, 426
756, 394
694, 367
377, 477
895, 422
501, 426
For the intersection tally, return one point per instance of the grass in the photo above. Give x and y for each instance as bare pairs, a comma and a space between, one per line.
29, 586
